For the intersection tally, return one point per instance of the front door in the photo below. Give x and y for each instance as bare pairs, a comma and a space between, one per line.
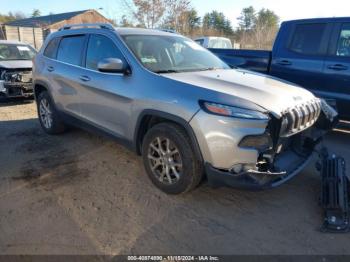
105, 100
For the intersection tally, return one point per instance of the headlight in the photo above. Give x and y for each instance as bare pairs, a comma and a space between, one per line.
231, 111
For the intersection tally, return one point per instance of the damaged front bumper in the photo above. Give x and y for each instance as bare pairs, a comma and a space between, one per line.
285, 157
290, 162
16, 84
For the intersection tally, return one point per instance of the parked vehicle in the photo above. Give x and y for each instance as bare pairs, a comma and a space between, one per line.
313, 53
214, 42
16, 69
179, 106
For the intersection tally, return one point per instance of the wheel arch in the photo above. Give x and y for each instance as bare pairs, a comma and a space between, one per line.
150, 117
40, 86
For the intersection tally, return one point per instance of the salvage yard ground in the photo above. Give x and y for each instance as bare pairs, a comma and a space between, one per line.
83, 194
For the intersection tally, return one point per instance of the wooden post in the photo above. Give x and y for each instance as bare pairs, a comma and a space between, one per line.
2, 33
19, 33
34, 40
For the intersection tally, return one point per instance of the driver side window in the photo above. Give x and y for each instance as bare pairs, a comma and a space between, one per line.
343, 48
99, 48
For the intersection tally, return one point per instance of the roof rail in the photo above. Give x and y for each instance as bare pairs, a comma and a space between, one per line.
167, 30
95, 25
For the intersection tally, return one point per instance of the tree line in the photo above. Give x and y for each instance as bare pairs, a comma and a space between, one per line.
256, 28
12, 16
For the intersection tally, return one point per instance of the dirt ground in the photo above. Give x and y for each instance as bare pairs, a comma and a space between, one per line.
79, 193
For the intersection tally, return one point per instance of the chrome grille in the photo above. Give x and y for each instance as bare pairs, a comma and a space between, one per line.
300, 118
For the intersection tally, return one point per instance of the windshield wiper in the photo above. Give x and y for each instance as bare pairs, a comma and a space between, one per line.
209, 69
167, 71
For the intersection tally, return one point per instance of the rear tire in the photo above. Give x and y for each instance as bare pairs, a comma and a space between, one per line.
170, 160
48, 116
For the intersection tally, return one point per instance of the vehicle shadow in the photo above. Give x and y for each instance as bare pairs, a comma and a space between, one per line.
6, 102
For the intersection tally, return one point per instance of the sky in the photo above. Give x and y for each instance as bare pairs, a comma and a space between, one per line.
286, 9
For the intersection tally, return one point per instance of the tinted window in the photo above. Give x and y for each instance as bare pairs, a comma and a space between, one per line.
70, 50
307, 39
99, 48
343, 48
51, 49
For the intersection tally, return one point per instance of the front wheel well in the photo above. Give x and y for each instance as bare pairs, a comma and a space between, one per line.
146, 123
150, 120
38, 89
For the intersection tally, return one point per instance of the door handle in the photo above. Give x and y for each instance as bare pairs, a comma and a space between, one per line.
338, 67
50, 68
85, 78
284, 62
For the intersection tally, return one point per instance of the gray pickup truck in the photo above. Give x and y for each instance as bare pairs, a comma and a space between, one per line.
16, 69
179, 106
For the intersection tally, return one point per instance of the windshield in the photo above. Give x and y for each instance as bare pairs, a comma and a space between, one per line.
16, 52
168, 54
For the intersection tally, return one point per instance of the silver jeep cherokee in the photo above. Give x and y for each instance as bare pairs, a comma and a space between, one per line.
184, 110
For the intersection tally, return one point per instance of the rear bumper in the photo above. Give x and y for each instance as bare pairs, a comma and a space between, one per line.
289, 163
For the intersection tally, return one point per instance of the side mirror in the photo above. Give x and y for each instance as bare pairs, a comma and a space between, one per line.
112, 65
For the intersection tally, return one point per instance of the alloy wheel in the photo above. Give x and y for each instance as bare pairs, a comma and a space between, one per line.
165, 160
45, 113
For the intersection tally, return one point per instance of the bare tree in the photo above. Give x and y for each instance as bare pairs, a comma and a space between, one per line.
148, 13
177, 14
125, 22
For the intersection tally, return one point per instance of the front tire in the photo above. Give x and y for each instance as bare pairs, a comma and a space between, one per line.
170, 160
48, 116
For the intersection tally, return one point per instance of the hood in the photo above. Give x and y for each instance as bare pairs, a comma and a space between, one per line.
272, 94
16, 64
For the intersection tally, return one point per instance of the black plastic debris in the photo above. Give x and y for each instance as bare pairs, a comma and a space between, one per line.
335, 193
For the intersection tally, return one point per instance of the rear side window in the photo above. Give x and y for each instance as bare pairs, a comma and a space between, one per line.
307, 39
51, 49
99, 48
343, 47
70, 49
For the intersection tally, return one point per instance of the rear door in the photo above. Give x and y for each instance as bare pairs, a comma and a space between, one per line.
300, 55
64, 73
337, 70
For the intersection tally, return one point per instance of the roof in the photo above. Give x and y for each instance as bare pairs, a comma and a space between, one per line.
44, 20
323, 19
142, 31
123, 31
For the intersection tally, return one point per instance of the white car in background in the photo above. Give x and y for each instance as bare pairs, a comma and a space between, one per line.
16, 69
214, 42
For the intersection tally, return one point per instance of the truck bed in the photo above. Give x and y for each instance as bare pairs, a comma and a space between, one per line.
255, 60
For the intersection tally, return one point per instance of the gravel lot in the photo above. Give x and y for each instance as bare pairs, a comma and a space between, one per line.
83, 194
